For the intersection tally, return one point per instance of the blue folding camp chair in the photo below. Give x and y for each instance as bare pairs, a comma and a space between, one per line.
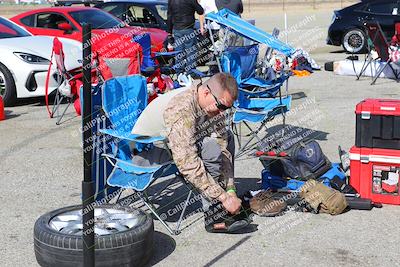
123, 99
148, 65
256, 111
101, 168
260, 98
257, 102
241, 62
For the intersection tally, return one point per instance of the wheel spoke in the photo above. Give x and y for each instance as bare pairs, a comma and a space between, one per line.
72, 228
2, 84
101, 231
116, 225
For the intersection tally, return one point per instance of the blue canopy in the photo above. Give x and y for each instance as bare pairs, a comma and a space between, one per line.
227, 18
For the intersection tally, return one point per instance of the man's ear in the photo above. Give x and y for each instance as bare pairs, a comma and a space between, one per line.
206, 91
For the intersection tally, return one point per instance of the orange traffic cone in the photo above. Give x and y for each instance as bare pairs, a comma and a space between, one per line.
2, 113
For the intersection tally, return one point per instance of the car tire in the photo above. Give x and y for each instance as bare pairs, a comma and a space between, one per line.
7, 87
56, 245
355, 41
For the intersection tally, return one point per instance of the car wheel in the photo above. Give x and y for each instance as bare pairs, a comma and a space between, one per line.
354, 41
7, 87
123, 237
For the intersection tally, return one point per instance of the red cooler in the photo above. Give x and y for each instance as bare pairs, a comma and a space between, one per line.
375, 174
375, 158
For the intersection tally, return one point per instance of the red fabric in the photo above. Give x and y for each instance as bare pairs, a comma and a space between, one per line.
75, 86
59, 55
130, 50
4, 29
75, 80
160, 84
152, 97
396, 37
394, 54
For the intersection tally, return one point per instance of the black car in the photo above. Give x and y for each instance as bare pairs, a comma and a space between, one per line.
347, 28
144, 13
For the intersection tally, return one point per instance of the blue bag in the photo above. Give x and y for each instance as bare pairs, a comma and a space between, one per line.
271, 181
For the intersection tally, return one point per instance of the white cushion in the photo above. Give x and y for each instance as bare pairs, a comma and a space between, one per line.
151, 121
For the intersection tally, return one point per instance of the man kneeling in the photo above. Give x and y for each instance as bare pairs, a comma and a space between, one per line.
194, 121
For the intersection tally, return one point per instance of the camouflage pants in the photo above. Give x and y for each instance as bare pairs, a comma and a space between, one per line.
210, 153
212, 159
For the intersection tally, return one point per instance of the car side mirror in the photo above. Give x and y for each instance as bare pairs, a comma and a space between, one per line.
65, 26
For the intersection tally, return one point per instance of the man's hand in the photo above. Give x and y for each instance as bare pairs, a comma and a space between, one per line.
233, 194
231, 203
202, 31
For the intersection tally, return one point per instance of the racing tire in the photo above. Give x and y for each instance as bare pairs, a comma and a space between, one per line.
7, 87
354, 41
56, 244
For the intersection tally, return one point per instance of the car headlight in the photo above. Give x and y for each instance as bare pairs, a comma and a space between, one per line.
32, 59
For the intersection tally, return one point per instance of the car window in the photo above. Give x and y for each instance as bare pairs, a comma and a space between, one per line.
49, 20
162, 11
29, 20
10, 30
115, 9
97, 18
382, 8
140, 15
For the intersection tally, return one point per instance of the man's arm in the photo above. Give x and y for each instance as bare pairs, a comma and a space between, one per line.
182, 142
169, 17
240, 7
201, 20
199, 9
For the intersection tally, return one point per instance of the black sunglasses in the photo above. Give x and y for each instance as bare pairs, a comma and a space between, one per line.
218, 103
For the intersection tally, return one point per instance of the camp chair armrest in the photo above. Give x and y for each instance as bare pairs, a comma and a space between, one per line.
133, 167
132, 137
146, 139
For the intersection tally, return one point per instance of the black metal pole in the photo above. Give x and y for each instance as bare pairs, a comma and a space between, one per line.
87, 184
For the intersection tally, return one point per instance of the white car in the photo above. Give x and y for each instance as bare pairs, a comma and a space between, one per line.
25, 59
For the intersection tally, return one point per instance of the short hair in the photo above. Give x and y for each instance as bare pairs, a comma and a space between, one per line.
226, 82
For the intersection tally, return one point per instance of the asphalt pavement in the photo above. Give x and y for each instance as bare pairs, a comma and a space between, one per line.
41, 167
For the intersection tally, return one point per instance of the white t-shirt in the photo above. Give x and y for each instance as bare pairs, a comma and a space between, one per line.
209, 6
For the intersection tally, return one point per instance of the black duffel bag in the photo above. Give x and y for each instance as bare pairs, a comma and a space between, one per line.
303, 161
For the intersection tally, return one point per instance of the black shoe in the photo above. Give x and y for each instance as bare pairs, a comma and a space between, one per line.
218, 220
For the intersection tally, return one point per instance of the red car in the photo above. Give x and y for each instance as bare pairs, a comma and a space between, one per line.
67, 22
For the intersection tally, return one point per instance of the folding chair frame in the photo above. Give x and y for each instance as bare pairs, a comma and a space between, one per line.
249, 145
59, 99
148, 201
368, 59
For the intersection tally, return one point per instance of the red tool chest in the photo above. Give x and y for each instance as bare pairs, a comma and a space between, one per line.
375, 172
375, 158
378, 123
